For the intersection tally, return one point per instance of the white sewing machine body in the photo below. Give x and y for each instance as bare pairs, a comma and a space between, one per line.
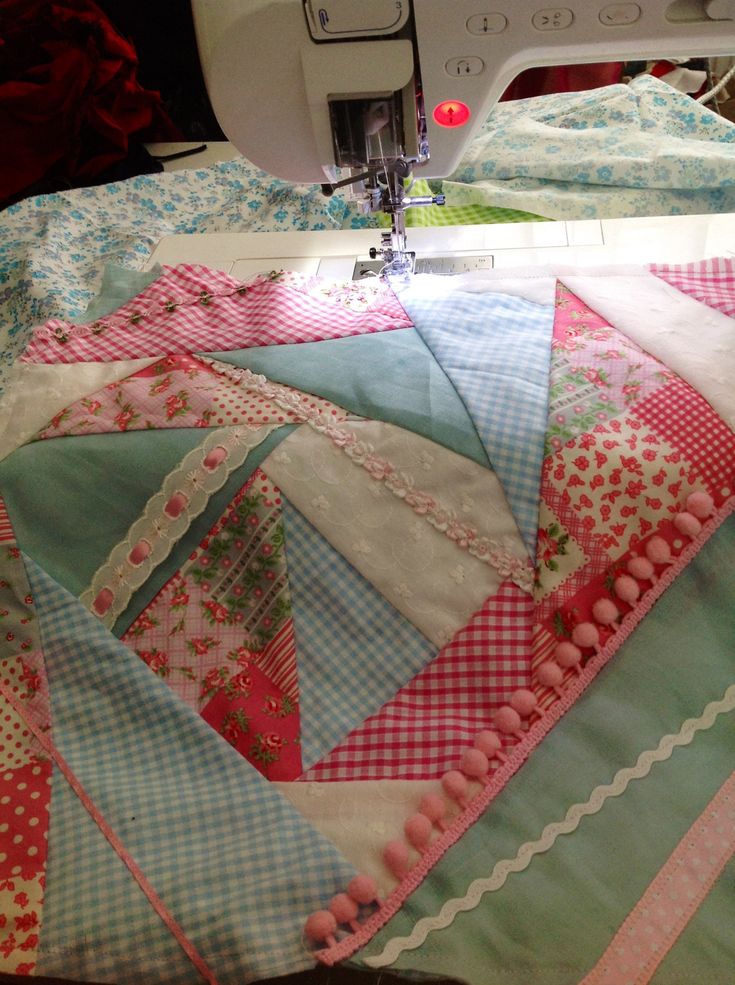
275, 69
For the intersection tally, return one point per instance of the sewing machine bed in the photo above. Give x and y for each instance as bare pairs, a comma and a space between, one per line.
303, 579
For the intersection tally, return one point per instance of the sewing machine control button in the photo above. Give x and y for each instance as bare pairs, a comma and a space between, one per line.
470, 65
552, 19
620, 14
487, 23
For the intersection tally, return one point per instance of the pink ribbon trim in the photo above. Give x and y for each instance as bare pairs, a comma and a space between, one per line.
678, 890
520, 753
135, 870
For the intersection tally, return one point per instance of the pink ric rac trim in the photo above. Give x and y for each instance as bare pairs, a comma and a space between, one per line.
150, 893
672, 899
520, 752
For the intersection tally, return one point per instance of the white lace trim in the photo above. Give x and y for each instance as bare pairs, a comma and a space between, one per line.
551, 832
401, 484
157, 529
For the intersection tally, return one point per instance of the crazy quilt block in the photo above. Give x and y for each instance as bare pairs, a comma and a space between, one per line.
250, 590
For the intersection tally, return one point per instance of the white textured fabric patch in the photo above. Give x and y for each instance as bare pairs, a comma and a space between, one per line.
360, 817
38, 391
694, 340
436, 583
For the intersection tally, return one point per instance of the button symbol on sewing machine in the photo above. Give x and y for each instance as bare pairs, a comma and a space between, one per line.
619, 14
470, 65
552, 19
487, 23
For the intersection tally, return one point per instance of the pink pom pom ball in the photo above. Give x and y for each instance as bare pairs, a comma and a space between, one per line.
605, 612
567, 654
507, 720
549, 674
658, 551
627, 589
344, 908
321, 926
586, 634
700, 504
434, 807
395, 856
454, 785
524, 702
641, 568
418, 829
474, 764
488, 742
687, 524
363, 889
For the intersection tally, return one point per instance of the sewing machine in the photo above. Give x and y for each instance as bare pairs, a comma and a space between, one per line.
359, 93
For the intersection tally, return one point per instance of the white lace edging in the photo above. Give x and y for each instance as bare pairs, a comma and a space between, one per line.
157, 529
551, 832
401, 484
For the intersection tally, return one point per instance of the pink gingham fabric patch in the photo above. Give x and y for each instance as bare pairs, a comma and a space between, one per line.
191, 308
710, 281
423, 730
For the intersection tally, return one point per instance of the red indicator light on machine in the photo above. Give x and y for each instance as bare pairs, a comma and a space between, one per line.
451, 113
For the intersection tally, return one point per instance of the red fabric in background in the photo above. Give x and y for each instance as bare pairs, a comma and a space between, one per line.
563, 78
70, 104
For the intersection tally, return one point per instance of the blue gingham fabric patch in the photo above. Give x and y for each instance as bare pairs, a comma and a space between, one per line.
234, 863
496, 350
354, 650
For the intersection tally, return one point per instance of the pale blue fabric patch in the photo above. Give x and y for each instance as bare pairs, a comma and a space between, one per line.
238, 867
496, 349
354, 650
391, 376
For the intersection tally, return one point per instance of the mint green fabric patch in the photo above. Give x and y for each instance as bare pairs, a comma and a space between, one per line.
391, 376
119, 284
86, 491
550, 923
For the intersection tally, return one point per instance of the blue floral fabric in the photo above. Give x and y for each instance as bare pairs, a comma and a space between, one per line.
622, 150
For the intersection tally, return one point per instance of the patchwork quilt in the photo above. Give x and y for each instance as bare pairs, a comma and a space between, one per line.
341, 622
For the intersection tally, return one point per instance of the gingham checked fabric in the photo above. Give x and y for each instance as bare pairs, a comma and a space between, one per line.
354, 650
496, 349
193, 309
710, 281
686, 420
423, 730
201, 823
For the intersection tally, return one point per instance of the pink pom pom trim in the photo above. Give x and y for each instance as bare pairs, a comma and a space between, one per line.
627, 589
524, 702
551, 675
434, 806
418, 830
363, 889
586, 634
605, 612
475, 764
700, 504
658, 551
641, 568
344, 909
454, 785
687, 524
568, 655
395, 856
507, 720
321, 926
491, 744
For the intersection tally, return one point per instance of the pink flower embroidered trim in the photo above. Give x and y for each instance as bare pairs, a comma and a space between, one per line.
508, 565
